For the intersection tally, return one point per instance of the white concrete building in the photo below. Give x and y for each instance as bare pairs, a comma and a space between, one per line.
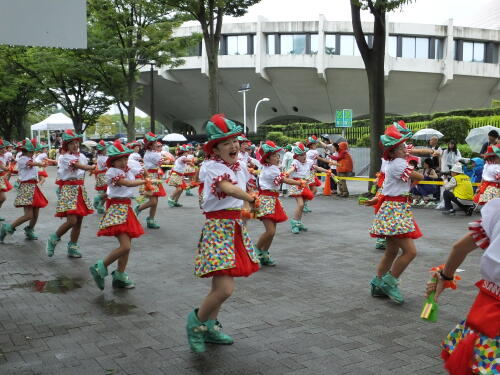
310, 69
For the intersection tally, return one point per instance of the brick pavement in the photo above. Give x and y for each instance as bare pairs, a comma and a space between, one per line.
312, 314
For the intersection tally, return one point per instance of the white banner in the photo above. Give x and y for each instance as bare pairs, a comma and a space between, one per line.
45, 23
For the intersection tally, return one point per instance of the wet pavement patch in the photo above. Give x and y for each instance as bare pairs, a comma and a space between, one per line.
60, 285
111, 307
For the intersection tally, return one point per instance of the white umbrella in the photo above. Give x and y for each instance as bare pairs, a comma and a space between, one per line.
89, 143
478, 136
426, 134
174, 137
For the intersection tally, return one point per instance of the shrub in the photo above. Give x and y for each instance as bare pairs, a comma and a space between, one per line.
466, 152
277, 137
363, 141
452, 127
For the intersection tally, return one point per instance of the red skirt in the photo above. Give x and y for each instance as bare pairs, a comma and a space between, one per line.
279, 215
43, 174
317, 182
132, 227
244, 265
81, 207
39, 200
8, 185
161, 191
306, 194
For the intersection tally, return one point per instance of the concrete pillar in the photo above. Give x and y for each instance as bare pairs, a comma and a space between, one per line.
260, 50
387, 66
204, 59
448, 55
320, 57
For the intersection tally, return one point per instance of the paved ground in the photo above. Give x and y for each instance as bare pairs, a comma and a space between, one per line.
312, 314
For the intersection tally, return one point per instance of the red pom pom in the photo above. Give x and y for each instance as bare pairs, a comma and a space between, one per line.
271, 144
118, 145
220, 121
393, 132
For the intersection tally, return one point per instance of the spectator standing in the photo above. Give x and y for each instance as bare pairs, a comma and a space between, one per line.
344, 167
437, 151
493, 139
450, 157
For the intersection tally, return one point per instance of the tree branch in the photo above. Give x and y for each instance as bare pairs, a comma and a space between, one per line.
359, 34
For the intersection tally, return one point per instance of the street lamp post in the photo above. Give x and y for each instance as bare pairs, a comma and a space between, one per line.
255, 113
243, 89
152, 94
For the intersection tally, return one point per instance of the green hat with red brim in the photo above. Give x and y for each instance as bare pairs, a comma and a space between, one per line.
492, 151
151, 137
69, 136
115, 151
181, 149
268, 148
131, 145
101, 145
402, 127
219, 129
299, 149
4, 143
391, 139
30, 145
312, 140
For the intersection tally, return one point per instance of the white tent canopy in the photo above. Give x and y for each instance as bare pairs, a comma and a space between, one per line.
57, 121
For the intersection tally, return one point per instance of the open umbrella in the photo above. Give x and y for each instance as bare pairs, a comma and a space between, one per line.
334, 138
478, 136
89, 143
426, 134
174, 137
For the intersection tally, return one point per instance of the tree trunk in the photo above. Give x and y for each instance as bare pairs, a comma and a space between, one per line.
78, 124
213, 88
131, 120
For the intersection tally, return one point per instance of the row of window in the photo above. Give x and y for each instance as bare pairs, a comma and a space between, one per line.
345, 45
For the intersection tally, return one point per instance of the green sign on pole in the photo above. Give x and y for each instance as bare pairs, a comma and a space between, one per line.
343, 118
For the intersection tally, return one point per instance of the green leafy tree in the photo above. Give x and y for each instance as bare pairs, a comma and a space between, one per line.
126, 35
20, 95
210, 14
373, 58
67, 78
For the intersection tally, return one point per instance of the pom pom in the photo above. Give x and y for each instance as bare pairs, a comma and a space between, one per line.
220, 121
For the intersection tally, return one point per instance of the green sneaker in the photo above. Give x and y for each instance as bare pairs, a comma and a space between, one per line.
99, 272
5, 230
136, 210
73, 250
151, 224
302, 226
306, 209
97, 201
101, 208
189, 193
30, 233
295, 226
215, 335
171, 203
177, 204
196, 332
380, 245
121, 280
51, 244
375, 284
390, 287
266, 259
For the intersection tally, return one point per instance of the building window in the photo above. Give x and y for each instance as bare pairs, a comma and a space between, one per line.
314, 44
292, 44
468, 51
393, 46
237, 45
271, 44
330, 44
473, 52
194, 50
438, 49
415, 48
349, 47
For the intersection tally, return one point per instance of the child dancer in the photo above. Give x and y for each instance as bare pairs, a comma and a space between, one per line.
73, 202
5, 185
152, 161
29, 196
43, 158
119, 220
225, 250
472, 347
301, 170
176, 178
313, 157
490, 185
270, 211
394, 219
190, 170
100, 177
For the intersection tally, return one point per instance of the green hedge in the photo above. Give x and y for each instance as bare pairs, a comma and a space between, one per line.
453, 127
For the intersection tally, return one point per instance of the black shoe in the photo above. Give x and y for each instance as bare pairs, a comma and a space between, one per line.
449, 212
469, 210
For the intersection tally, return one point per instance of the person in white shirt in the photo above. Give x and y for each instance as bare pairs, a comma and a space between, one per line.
301, 170
225, 250
450, 157
313, 157
101, 184
177, 174
73, 202
43, 158
490, 184
119, 220
286, 163
152, 162
29, 196
190, 171
270, 210
5, 185
394, 219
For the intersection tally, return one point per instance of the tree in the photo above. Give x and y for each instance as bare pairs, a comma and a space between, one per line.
126, 35
20, 95
374, 63
210, 14
66, 76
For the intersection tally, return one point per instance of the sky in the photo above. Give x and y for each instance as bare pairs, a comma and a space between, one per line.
464, 12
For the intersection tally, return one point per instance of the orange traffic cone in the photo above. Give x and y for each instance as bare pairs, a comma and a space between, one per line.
327, 190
